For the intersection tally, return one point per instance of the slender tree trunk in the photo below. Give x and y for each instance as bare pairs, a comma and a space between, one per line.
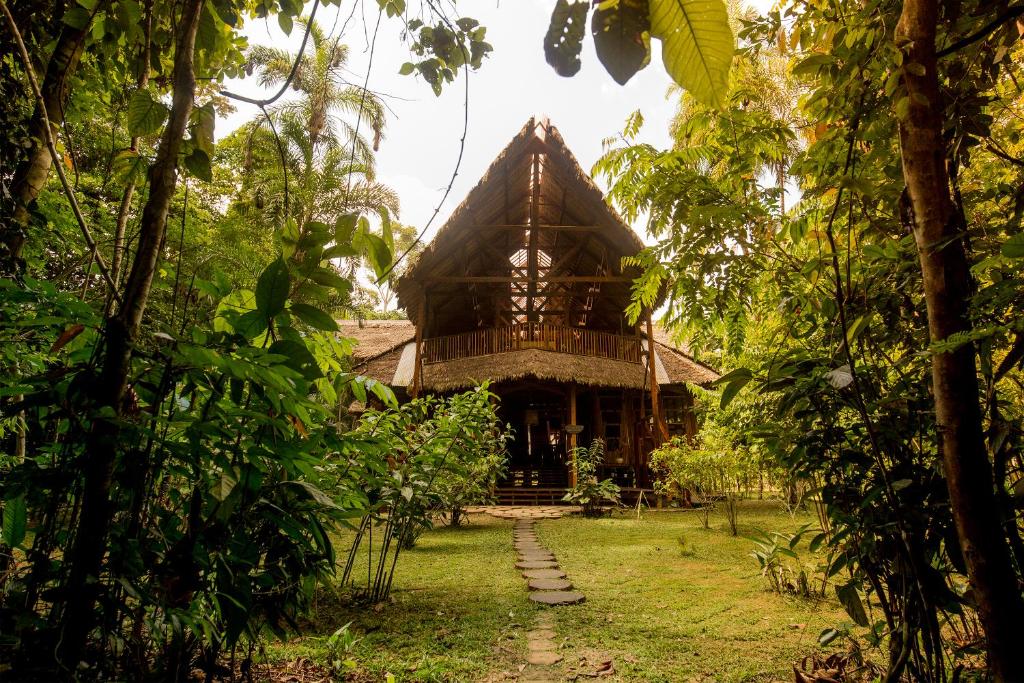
955, 384
129, 191
30, 176
122, 331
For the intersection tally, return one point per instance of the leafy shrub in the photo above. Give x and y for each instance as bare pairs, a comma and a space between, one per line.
780, 567
435, 455
710, 467
589, 493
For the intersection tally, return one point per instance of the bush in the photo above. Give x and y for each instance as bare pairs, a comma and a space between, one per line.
589, 493
710, 468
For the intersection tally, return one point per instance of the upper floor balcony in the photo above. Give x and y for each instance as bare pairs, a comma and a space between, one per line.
545, 336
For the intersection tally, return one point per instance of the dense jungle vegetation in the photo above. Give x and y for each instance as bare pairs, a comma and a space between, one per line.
838, 224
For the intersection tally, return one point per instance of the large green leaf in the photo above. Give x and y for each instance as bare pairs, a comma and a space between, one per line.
204, 119
697, 45
15, 521
851, 601
314, 317
564, 39
378, 254
621, 37
272, 288
1014, 247
145, 114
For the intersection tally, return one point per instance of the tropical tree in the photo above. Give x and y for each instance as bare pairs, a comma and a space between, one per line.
307, 159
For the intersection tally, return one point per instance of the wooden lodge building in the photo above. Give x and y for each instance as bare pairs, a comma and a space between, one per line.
523, 286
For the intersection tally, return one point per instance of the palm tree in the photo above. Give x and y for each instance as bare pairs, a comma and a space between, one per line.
328, 160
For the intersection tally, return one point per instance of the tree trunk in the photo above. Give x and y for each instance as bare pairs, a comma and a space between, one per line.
955, 384
30, 176
129, 191
122, 331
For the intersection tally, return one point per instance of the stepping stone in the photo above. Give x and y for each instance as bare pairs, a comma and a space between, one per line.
532, 548
543, 658
536, 557
536, 565
543, 574
540, 634
550, 585
557, 597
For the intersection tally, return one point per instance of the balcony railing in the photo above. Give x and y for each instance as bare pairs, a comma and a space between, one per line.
561, 339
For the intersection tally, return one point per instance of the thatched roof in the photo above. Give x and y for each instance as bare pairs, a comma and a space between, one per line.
672, 367
534, 199
535, 364
376, 337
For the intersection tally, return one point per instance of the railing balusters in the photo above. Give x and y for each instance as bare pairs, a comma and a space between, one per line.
560, 338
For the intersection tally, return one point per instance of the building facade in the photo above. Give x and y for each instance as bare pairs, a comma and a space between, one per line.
524, 286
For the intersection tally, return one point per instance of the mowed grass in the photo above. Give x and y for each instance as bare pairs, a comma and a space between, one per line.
658, 610
457, 612
662, 611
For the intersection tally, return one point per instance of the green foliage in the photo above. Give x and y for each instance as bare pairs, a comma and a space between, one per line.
446, 48
564, 40
818, 303
145, 115
621, 33
697, 45
776, 554
428, 457
697, 41
590, 493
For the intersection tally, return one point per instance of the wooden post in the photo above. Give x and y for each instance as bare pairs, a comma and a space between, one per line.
572, 436
660, 429
417, 371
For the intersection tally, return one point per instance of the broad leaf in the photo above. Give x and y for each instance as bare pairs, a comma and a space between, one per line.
15, 521
621, 37
564, 39
145, 114
198, 164
850, 598
378, 254
697, 45
1014, 247
314, 317
204, 119
272, 288
344, 227
299, 358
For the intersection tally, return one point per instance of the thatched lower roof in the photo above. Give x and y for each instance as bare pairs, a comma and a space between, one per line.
671, 367
534, 364
374, 337
681, 368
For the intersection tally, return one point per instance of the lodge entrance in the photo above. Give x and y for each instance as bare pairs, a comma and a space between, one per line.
539, 452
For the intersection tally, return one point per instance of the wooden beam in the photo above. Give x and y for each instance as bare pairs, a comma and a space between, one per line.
660, 428
505, 279
531, 253
417, 373
572, 437
540, 226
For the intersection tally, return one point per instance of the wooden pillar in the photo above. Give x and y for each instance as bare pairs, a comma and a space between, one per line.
572, 436
660, 429
417, 371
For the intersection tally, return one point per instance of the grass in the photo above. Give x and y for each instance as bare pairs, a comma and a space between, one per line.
659, 610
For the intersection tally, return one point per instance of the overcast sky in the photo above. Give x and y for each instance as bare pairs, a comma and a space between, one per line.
418, 154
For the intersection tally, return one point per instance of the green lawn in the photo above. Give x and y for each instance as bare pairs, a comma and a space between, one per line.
460, 612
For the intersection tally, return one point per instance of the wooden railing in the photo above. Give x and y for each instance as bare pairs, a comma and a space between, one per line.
574, 340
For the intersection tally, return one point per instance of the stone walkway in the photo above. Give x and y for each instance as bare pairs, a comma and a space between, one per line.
524, 511
548, 586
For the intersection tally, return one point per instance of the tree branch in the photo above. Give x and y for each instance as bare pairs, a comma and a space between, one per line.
48, 132
1011, 13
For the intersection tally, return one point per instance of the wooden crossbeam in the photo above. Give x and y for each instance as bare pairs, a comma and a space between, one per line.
504, 279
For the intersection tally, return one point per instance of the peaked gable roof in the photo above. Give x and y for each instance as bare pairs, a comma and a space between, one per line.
534, 185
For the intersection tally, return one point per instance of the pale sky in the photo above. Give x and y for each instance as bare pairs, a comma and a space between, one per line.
421, 142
